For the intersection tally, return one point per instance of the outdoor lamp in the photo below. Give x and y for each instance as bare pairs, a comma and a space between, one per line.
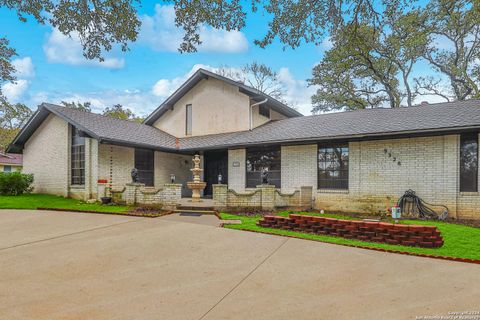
219, 178
172, 178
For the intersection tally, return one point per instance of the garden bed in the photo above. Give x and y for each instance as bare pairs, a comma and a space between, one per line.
460, 242
56, 203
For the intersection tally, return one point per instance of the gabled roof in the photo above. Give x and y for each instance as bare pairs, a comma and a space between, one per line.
440, 118
201, 74
11, 159
360, 124
103, 128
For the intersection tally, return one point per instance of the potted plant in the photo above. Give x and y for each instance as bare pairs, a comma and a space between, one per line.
105, 199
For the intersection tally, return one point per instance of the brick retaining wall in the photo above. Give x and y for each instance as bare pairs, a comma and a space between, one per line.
399, 234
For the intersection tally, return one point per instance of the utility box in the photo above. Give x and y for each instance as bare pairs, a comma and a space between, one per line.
396, 212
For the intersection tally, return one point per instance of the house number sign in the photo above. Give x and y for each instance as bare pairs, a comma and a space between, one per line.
236, 163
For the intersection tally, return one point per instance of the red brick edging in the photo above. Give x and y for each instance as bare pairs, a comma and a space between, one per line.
395, 234
465, 260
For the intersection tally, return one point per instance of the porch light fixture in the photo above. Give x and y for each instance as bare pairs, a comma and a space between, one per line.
172, 178
220, 178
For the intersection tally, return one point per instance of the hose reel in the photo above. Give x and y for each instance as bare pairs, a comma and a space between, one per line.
412, 205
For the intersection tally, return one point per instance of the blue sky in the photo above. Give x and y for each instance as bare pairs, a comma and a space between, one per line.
51, 67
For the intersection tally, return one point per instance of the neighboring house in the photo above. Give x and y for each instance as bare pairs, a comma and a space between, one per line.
359, 161
10, 162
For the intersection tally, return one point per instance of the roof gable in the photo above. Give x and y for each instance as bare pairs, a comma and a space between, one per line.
102, 128
201, 74
441, 118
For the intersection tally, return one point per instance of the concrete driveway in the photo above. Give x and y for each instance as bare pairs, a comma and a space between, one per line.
57, 265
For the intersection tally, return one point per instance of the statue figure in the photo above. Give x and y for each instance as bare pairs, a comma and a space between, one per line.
264, 176
134, 174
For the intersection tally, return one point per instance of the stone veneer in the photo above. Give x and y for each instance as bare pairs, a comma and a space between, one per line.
167, 197
265, 197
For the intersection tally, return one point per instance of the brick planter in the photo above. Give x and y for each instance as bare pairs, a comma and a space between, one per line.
407, 235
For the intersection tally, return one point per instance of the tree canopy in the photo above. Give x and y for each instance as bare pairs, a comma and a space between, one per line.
372, 63
376, 43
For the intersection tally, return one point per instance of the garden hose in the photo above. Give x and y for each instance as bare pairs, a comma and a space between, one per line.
411, 203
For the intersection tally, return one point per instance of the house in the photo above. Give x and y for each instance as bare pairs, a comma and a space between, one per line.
360, 161
10, 162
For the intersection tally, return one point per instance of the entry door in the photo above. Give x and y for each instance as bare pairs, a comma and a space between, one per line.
216, 162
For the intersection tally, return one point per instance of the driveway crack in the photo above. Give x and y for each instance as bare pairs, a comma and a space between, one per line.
243, 279
69, 234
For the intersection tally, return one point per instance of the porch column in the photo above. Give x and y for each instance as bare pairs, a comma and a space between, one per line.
220, 195
268, 196
306, 197
131, 192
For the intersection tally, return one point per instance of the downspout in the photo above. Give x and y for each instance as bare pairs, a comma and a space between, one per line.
251, 111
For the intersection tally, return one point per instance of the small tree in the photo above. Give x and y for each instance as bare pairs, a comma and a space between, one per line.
86, 106
120, 112
12, 118
258, 76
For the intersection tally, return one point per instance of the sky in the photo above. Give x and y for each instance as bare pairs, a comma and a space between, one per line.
51, 68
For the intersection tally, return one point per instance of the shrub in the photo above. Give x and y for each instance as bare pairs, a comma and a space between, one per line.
15, 183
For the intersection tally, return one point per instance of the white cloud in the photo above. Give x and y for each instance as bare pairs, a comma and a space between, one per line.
159, 32
24, 67
298, 91
62, 49
165, 87
140, 102
15, 90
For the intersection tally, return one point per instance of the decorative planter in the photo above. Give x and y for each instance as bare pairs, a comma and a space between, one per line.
106, 200
407, 235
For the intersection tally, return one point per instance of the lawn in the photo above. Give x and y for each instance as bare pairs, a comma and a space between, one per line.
460, 241
35, 201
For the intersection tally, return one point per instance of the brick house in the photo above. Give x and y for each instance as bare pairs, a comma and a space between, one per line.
10, 162
358, 161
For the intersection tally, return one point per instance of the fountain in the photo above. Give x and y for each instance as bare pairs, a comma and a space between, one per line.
196, 185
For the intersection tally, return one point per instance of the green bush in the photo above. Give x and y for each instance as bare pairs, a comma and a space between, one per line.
15, 183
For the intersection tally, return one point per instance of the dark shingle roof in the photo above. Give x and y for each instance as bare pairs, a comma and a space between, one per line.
103, 128
351, 124
360, 124
115, 130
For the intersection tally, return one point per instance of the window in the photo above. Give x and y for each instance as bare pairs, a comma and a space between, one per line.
188, 120
333, 166
264, 111
259, 159
469, 162
145, 164
78, 157
7, 168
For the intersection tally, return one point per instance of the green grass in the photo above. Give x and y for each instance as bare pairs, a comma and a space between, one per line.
460, 241
34, 201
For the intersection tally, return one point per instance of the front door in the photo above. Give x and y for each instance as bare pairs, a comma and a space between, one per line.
216, 162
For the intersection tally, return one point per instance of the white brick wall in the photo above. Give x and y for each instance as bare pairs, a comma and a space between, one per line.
168, 163
299, 167
115, 164
428, 165
46, 155
236, 175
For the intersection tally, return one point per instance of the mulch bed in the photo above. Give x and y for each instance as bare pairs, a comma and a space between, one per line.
135, 212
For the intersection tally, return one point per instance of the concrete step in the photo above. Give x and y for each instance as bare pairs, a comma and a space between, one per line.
198, 211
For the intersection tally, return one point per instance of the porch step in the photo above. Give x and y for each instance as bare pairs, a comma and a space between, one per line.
199, 211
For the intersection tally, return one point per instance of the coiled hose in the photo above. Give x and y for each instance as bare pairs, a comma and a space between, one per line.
411, 203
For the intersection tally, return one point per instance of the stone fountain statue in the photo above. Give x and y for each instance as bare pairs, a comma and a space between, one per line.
196, 185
